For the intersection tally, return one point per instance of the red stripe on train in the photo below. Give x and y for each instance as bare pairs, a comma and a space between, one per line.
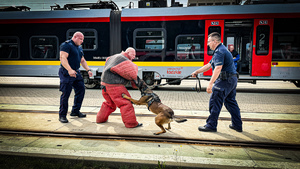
54, 20
204, 17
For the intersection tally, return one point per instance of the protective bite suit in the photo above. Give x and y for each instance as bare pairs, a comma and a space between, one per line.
118, 71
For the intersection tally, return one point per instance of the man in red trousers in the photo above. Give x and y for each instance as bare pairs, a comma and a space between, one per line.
118, 71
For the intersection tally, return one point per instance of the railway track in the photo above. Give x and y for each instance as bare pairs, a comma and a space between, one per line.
147, 138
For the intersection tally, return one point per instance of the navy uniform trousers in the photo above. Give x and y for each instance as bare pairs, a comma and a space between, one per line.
224, 91
66, 85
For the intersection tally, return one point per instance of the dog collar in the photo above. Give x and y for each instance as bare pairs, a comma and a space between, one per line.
153, 98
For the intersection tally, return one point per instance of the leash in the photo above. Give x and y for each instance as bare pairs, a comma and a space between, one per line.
198, 89
177, 80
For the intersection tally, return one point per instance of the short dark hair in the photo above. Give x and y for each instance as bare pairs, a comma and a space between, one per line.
216, 36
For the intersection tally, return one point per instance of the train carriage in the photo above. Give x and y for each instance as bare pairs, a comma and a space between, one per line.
171, 42
29, 41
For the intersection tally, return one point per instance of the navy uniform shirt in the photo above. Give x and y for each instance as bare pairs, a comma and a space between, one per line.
222, 56
75, 53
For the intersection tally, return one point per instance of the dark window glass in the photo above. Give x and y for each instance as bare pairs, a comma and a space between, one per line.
149, 33
262, 39
190, 47
90, 38
286, 46
149, 44
286, 39
149, 40
44, 47
9, 48
211, 30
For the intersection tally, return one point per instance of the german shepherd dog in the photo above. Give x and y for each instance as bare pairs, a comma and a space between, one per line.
164, 113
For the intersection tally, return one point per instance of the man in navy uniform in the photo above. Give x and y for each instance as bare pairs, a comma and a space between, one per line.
222, 85
71, 56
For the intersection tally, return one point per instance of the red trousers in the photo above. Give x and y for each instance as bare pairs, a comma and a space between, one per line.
113, 99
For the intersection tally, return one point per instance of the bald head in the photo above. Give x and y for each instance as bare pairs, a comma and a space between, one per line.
78, 38
231, 48
130, 53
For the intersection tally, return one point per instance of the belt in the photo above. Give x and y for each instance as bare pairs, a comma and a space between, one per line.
225, 76
232, 75
67, 70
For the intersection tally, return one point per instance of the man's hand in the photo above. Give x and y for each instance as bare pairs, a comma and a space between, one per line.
194, 74
72, 73
209, 88
90, 73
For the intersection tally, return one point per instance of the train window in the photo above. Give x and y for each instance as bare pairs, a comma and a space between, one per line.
190, 47
9, 47
90, 38
211, 30
286, 39
149, 39
262, 39
43, 47
286, 46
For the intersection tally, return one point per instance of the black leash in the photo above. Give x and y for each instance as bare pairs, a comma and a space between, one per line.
198, 89
177, 80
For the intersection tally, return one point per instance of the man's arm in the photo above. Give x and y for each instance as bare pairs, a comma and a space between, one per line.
64, 62
213, 78
85, 66
202, 69
236, 58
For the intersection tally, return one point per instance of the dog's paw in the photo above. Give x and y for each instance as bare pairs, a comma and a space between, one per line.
123, 95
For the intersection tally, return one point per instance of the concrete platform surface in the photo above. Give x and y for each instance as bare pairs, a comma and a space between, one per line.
181, 154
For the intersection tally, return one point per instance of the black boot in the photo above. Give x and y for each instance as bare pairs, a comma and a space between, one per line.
79, 114
63, 119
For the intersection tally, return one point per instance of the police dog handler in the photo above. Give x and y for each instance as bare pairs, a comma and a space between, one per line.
118, 71
71, 56
222, 85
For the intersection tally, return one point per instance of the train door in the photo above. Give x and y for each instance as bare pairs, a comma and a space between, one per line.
211, 26
237, 33
262, 47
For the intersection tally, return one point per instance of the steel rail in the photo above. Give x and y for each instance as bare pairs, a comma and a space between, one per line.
160, 139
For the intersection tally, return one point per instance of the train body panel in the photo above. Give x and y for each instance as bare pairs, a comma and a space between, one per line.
30, 40
211, 12
170, 42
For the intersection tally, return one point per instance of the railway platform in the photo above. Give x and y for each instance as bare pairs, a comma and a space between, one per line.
268, 140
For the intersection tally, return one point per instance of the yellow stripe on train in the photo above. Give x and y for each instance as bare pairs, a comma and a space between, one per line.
102, 63
27, 62
143, 64
285, 64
